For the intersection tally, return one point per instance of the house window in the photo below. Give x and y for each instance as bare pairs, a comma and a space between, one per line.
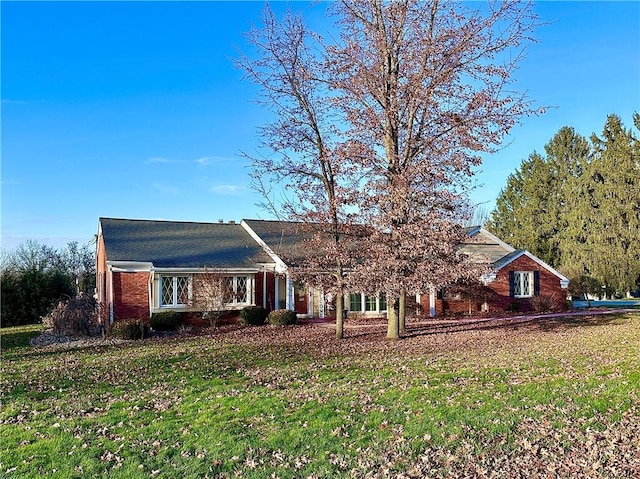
236, 289
383, 302
175, 291
355, 302
370, 303
523, 284
373, 304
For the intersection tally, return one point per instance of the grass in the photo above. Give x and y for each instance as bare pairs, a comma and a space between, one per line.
18, 336
511, 398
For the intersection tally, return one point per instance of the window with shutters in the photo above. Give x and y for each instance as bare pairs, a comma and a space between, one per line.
523, 286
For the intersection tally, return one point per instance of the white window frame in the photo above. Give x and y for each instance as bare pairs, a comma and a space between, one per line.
363, 304
175, 303
248, 289
518, 284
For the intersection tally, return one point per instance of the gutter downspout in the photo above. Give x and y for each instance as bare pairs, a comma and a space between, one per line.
150, 285
432, 301
289, 297
264, 288
110, 269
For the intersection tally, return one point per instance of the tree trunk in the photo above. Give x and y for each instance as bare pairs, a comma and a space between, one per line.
402, 313
393, 324
339, 316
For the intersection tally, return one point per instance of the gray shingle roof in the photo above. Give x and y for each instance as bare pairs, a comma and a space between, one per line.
501, 262
285, 238
482, 247
177, 244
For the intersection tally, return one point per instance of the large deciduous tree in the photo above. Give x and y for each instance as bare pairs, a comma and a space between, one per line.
384, 125
309, 153
424, 85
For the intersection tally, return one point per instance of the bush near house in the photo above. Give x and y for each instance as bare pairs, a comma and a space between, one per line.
129, 329
543, 304
166, 321
282, 317
253, 315
78, 316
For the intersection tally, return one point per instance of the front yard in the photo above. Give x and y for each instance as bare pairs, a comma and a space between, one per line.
510, 398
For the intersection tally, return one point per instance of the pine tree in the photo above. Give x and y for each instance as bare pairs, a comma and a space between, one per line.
611, 251
578, 208
532, 211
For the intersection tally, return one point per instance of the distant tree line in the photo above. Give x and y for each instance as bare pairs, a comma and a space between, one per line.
35, 277
577, 206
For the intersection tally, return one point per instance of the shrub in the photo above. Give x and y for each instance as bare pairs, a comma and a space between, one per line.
514, 306
129, 329
542, 304
253, 315
166, 321
79, 316
282, 317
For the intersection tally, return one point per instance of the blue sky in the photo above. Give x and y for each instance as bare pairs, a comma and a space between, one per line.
134, 110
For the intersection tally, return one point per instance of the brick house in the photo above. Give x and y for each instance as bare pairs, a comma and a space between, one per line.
512, 279
145, 267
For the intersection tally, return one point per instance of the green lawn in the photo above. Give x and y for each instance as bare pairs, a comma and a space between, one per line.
514, 398
18, 336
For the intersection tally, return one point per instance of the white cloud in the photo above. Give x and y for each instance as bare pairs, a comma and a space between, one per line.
159, 159
205, 160
209, 160
227, 189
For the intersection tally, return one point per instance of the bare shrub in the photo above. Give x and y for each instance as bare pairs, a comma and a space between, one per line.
212, 294
130, 329
78, 316
543, 304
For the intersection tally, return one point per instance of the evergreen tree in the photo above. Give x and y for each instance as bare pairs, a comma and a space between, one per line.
532, 210
611, 250
578, 208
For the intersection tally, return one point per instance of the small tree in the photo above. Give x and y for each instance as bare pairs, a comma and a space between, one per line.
212, 294
584, 285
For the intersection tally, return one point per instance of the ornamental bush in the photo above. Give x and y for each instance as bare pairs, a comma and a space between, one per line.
282, 317
129, 329
166, 321
542, 304
78, 316
253, 315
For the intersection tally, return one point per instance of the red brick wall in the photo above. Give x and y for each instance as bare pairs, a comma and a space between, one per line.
497, 292
425, 303
131, 295
549, 285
